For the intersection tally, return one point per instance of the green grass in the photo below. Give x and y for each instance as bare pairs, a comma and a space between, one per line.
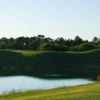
43, 64
84, 92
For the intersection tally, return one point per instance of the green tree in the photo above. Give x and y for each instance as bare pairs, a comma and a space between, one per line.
77, 40
86, 46
95, 39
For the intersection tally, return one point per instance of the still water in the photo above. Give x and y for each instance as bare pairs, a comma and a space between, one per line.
24, 83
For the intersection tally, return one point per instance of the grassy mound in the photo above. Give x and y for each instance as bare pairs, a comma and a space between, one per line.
85, 92
45, 64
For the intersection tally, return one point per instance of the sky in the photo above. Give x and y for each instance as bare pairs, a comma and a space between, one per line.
53, 18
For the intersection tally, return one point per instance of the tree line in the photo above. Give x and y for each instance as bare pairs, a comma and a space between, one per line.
43, 43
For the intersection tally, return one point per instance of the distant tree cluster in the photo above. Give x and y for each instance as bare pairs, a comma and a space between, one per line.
43, 43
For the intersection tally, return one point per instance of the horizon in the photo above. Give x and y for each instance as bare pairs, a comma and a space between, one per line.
50, 37
54, 18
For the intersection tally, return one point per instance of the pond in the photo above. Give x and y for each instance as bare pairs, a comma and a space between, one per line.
24, 83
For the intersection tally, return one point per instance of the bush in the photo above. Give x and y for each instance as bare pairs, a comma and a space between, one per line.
83, 47
52, 47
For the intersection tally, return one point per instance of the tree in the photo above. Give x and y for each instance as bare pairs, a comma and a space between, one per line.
11, 43
45, 47
95, 39
20, 43
43, 43
60, 41
86, 46
77, 40
3, 43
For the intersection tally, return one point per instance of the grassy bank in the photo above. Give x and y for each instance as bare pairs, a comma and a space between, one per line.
85, 92
44, 64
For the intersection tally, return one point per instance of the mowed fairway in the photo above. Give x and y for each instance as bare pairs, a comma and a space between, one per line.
84, 92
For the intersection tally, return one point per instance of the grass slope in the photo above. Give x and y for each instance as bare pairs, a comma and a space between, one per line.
85, 92
42, 64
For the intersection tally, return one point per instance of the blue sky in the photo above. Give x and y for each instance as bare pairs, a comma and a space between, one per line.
53, 18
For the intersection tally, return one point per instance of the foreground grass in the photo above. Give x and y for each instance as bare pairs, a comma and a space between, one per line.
85, 92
